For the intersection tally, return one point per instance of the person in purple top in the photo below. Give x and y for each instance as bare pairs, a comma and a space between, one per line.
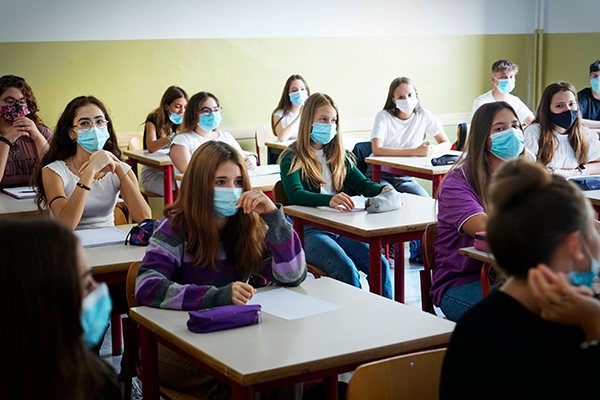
216, 235
494, 138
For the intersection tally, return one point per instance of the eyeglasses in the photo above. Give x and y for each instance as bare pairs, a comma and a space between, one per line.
11, 102
86, 126
207, 111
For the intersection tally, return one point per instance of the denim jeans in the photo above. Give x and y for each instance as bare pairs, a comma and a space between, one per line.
402, 184
342, 257
457, 300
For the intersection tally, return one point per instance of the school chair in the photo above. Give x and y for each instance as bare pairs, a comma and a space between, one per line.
264, 133
412, 376
429, 264
281, 197
361, 151
136, 143
131, 365
120, 218
461, 137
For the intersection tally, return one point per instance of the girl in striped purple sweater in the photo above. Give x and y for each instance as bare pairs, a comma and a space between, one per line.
213, 237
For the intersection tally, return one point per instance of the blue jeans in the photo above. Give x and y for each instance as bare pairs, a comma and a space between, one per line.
342, 257
402, 183
457, 300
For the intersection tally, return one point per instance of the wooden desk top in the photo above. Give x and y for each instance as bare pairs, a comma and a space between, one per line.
477, 254
144, 156
349, 143
20, 208
414, 215
368, 327
114, 258
593, 195
263, 182
417, 164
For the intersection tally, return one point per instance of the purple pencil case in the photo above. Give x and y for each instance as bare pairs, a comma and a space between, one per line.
224, 317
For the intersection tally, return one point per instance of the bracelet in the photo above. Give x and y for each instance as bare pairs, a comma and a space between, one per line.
5, 140
56, 198
124, 176
81, 185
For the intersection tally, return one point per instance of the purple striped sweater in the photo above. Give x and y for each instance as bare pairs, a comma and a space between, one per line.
167, 277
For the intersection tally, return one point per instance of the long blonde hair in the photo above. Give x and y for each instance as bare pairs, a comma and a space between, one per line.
304, 157
193, 213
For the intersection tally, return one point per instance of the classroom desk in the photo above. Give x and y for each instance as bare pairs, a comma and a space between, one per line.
262, 182
594, 196
279, 352
110, 264
402, 225
483, 256
20, 208
157, 160
418, 167
349, 143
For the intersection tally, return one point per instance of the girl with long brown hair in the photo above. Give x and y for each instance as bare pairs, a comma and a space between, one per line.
80, 176
216, 235
23, 136
159, 130
463, 203
316, 171
557, 139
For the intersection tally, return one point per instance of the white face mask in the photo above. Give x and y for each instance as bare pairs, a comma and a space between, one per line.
408, 105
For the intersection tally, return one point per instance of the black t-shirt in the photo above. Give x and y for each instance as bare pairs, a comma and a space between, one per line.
152, 118
589, 107
501, 350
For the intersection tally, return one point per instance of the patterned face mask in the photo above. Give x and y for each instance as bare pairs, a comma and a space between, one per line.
10, 113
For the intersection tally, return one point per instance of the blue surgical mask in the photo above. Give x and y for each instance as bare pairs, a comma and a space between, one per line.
564, 119
299, 97
595, 84
210, 122
506, 85
176, 118
93, 140
508, 144
226, 201
585, 278
323, 133
95, 313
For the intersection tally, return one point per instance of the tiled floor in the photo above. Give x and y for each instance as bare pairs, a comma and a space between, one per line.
412, 299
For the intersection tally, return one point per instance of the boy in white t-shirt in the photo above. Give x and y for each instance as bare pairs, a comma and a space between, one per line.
503, 78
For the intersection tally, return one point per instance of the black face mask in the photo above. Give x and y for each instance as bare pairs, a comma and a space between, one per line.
565, 119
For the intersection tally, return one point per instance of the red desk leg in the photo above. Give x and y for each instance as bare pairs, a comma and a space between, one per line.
376, 173
134, 166
299, 228
436, 181
241, 392
331, 387
149, 361
168, 182
115, 332
375, 265
399, 272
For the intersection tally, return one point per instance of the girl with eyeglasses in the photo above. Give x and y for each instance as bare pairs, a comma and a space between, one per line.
23, 136
80, 176
201, 119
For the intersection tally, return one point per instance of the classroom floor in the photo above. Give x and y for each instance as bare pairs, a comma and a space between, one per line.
412, 297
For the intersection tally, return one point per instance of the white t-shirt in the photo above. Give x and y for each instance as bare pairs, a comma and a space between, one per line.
523, 112
564, 156
286, 121
328, 187
101, 200
192, 141
405, 134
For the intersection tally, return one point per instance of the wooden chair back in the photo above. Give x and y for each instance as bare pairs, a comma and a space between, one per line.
136, 143
130, 284
408, 377
120, 218
279, 193
429, 263
264, 133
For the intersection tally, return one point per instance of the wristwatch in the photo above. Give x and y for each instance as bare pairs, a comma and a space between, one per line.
170, 137
5, 140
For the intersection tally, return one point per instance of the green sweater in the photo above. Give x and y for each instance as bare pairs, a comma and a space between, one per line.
302, 193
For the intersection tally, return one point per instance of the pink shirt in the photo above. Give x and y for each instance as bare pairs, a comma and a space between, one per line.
457, 202
22, 158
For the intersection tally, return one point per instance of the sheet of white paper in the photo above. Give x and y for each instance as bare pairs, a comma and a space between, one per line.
163, 151
264, 170
359, 205
287, 304
100, 236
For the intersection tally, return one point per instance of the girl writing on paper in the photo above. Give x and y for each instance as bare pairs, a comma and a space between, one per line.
316, 171
213, 237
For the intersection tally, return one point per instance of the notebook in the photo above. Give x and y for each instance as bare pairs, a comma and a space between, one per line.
100, 236
21, 192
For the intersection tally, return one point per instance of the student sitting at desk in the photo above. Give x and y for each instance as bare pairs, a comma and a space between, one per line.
161, 126
503, 78
23, 136
315, 171
49, 282
80, 176
399, 130
201, 119
589, 99
537, 337
557, 139
213, 237
495, 138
